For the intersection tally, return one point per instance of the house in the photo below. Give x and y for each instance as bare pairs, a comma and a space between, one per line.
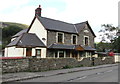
47, 37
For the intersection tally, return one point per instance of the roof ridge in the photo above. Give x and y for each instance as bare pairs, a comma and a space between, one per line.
81, 22
20, 38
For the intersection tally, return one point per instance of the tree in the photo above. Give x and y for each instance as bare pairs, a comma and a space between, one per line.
116, 44
103, 47
108, 32
7, 34
108, 37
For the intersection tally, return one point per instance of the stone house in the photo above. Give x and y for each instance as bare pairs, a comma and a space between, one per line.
47, 37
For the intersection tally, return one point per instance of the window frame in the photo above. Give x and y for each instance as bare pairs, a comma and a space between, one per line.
58, 54
36, 52
72, 38
88, 40
62, 37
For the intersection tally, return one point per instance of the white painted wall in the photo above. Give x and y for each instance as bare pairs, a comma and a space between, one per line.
43, 52
21, 52
15, 52
39, 30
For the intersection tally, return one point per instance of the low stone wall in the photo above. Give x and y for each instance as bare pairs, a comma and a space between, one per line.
14, 65
50, 64
43, 64
85, 62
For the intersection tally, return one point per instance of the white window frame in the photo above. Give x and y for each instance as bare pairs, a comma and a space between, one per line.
72, 39
36, 52
57, 37
84, 40
59, 52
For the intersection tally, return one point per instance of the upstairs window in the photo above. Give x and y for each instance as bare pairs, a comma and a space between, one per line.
60, 37
86, 41
74, 39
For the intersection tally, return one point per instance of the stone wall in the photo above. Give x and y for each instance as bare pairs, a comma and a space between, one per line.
52, 38
51, 35
14, 65
50, 64
82, 34
44, 64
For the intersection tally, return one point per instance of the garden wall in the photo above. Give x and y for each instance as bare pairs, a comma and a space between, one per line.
44, 64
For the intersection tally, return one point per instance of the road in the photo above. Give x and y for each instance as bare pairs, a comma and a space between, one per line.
108, 74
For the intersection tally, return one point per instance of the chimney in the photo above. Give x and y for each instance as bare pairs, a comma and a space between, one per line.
38, 11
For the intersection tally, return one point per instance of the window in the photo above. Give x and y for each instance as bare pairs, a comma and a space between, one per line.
60, 37
61, 54
38, 52
74, 39
56, 54
86, 41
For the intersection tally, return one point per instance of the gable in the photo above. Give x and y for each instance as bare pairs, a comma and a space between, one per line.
84, 26
37, 28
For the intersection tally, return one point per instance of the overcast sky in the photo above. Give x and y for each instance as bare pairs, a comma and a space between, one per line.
96, 12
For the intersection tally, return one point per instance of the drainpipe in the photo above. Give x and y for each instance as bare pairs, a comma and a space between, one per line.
23, 52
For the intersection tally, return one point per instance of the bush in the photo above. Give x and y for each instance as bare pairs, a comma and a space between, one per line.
67, 67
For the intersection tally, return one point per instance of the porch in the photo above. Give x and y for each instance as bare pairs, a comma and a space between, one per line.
70, 51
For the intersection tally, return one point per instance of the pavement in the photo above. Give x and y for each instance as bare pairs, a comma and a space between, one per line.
11, 77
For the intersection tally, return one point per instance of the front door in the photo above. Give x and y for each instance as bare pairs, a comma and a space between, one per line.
28, 52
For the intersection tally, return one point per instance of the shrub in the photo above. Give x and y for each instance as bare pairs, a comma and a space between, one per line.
67, 67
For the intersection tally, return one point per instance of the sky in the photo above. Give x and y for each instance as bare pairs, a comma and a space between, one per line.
96, 12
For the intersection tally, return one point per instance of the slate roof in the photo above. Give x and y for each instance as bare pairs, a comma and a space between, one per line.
61, 46
70, 47
56, 25
88, 48
21, 32
80, 26
27, 40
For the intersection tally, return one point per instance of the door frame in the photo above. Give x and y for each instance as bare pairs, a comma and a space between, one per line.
28, 52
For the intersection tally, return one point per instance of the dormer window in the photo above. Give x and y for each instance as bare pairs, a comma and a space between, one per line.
60, 37
74, 39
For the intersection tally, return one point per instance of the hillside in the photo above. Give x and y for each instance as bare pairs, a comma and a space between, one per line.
8, 29
5, 24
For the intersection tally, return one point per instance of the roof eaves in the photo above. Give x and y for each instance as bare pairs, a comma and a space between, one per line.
19, 37
90, 28
31, 24
62, 31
